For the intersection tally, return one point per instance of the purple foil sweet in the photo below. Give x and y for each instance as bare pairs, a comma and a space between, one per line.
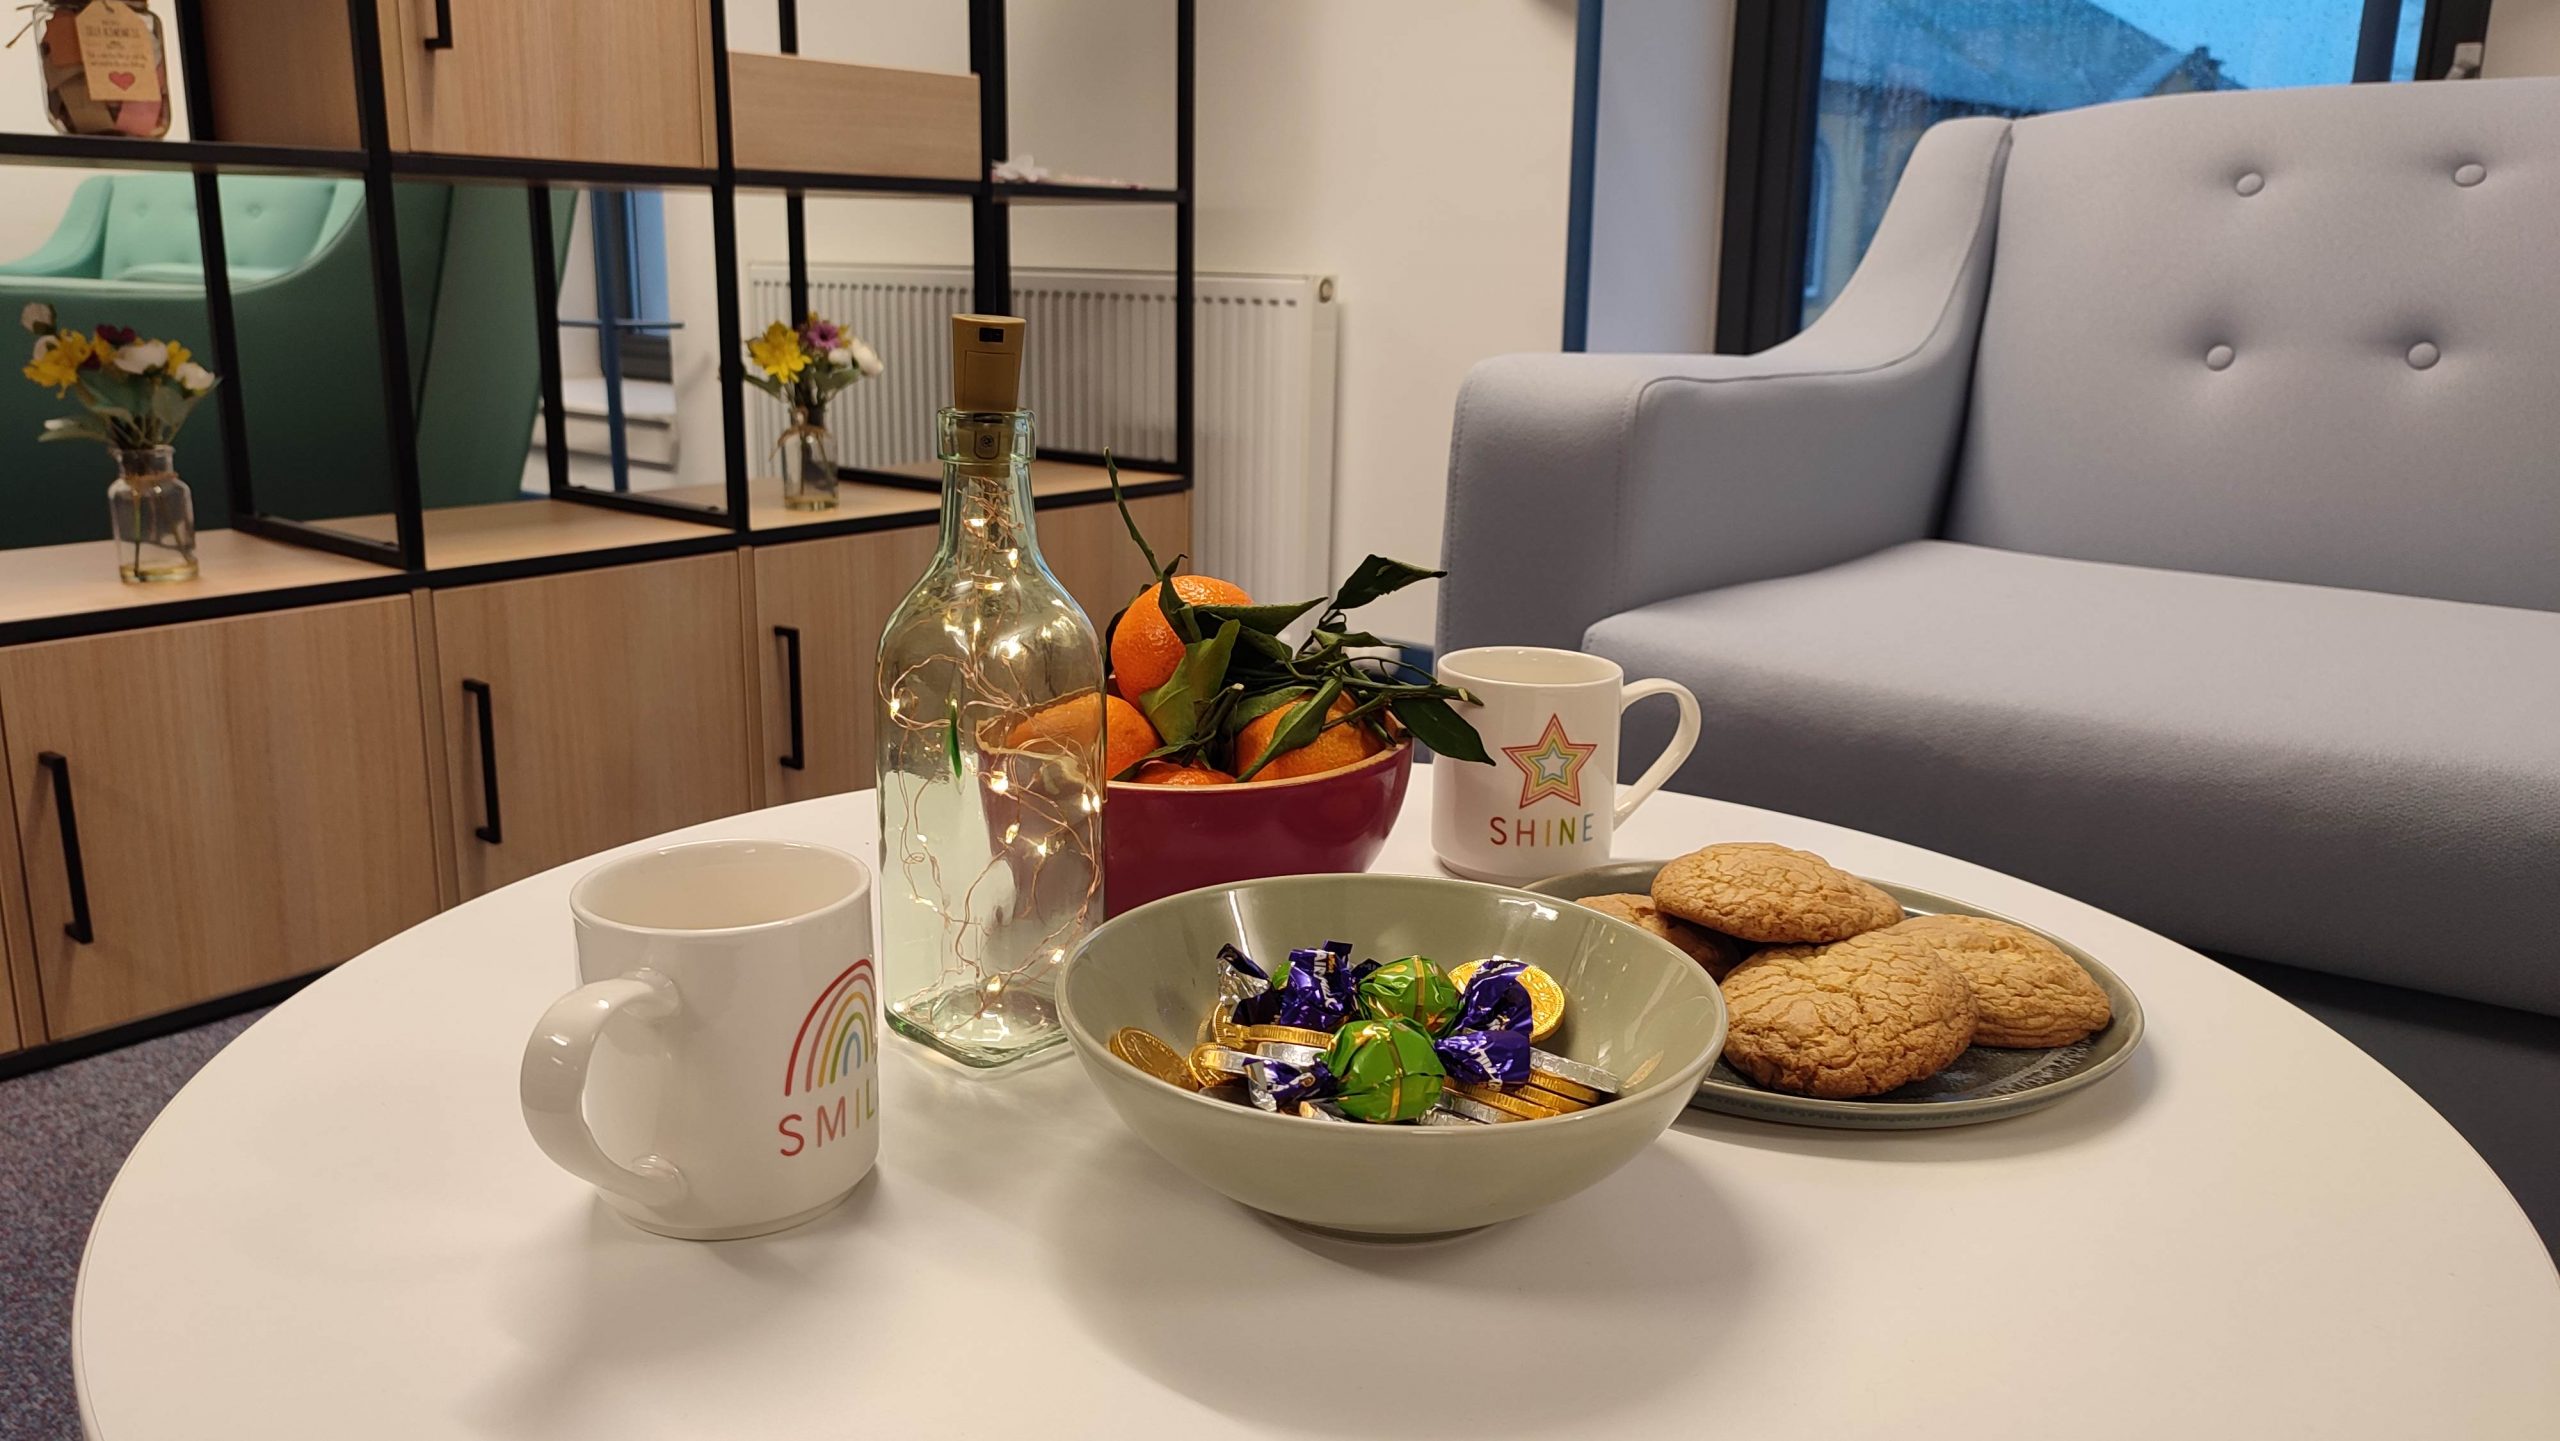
1497, 1057
1280, 1086
1495, 1000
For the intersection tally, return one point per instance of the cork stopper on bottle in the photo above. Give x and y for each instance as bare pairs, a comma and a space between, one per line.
986, 363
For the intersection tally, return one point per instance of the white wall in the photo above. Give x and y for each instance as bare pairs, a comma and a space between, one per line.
2524, 38
1658, 175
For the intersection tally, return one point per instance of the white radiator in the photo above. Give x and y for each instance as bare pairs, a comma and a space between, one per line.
1100, 374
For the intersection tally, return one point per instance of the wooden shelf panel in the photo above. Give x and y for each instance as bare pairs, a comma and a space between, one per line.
49, 581
856, 501
515, 530
789, 112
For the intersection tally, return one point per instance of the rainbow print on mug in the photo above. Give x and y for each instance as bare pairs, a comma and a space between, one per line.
836, 1043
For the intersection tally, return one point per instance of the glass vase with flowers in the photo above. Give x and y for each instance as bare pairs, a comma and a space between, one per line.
134, 395
805, 368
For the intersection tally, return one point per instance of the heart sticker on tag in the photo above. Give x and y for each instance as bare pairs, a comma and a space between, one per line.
121, 79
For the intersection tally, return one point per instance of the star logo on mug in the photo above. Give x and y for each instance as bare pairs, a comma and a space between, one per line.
1552, 767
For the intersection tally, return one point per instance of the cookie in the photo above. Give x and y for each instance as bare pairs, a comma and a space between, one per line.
2027, 991
1717, 953
1855, 1018
1769, 893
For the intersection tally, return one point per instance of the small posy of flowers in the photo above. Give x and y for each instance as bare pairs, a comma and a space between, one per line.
804, 368
133, 392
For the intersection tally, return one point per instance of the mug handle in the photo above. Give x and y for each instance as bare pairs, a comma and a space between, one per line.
553, 1084
1684, 739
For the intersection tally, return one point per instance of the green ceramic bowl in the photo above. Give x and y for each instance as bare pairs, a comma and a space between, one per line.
1635, 1006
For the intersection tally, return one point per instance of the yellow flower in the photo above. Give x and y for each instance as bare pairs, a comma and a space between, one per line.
178, 356
777, 352
57, 360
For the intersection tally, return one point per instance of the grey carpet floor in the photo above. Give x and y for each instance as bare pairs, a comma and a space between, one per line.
63, 1134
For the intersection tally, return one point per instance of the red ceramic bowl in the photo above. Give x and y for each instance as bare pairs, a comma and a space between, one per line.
1158, 841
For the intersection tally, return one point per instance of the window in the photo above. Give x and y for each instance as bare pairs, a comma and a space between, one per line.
1833, 135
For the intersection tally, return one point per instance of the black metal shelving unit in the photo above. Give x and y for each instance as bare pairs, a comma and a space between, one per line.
379, 167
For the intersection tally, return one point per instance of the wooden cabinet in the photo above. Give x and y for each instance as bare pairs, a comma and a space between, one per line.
836, 595
249, 798
627, 81
612, 704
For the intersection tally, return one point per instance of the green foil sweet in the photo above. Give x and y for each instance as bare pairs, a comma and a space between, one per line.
1412, 989
1386, 1069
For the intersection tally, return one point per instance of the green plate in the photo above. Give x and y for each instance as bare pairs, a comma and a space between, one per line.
1986, 1083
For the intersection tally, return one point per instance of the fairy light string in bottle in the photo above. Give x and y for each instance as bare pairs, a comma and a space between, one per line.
990, 743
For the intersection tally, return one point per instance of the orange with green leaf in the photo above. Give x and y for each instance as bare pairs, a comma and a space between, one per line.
1227, 694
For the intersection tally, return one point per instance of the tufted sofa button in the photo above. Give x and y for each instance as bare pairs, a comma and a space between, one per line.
256, 209
2218, 358
2423, 354
2250, 184
2470, 174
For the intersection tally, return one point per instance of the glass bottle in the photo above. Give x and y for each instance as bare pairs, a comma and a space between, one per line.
991, 772
154, 515
808, 461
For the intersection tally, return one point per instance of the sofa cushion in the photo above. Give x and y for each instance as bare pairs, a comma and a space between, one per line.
2344, 780
2299, 334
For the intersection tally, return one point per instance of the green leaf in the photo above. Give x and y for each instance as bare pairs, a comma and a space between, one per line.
1378, 576
1111, 468
1268, 619
1254, 707
1176, 707
1301, 725
76, 427
1436, 725
951, 736
1262, 644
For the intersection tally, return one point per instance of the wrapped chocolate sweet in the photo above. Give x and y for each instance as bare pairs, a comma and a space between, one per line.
1410, 989
1494, 999
1384, 1070
1286, 1086
1498, 1057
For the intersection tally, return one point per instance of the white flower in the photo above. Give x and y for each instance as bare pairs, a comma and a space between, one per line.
866, 359
194, 379
839, 357
62, 422
142, 355
37, 317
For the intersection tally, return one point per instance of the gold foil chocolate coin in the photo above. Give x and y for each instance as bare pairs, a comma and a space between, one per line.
1508, 1102
1532, 1092
1546, 998
1145, 1051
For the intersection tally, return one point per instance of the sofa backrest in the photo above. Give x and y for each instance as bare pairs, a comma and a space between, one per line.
2307, 335
269, 223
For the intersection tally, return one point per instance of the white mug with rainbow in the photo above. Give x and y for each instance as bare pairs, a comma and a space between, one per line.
717, 1075
1550, 801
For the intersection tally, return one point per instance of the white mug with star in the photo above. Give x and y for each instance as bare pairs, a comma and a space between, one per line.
1550, 801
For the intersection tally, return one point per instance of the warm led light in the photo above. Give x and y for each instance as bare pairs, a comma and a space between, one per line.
1012, 833
999, 783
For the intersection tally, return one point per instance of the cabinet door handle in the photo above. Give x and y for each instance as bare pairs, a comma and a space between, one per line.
79, 930
442, 38
798, 759
478, 690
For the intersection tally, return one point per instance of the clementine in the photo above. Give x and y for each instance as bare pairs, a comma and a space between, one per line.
1166, 773
1126, 736
1332, 749
1144, 648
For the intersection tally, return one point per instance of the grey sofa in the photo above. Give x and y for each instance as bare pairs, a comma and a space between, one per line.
2168, 511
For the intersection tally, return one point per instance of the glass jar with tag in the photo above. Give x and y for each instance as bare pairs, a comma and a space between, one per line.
106, 67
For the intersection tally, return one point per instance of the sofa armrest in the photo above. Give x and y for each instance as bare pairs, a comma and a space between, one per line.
1581, 486
72, 248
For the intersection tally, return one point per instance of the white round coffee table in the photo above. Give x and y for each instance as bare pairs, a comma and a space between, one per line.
340, 1229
